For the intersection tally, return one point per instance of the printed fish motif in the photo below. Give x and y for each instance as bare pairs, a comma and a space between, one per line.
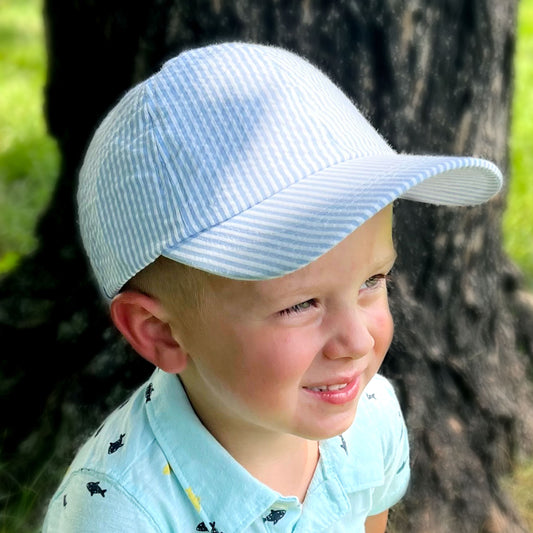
148, 392
275, 516
114, 446
94, 488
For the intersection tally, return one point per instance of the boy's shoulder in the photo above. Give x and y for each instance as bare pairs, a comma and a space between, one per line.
106, 449
122, 472
99, 485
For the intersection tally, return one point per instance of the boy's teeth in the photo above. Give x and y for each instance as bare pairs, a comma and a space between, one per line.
328, 387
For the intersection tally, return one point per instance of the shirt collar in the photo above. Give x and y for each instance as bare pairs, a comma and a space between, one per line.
196, 458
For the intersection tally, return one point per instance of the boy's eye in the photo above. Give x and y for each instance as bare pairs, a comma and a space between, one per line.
375, 281
298, 308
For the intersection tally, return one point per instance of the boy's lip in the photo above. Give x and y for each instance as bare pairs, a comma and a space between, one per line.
336, 391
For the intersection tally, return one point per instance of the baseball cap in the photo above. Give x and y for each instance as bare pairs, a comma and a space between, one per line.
246, 161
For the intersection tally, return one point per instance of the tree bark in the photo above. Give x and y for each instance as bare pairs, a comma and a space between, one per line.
433, 77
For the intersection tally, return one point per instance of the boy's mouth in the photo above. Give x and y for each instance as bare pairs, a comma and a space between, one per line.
338, 393
324, 388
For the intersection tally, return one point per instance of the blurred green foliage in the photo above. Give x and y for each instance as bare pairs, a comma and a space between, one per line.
29, 160
518, 218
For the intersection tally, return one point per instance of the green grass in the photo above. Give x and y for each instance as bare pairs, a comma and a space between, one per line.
29, 160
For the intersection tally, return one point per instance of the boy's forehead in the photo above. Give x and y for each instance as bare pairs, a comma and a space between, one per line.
366, 251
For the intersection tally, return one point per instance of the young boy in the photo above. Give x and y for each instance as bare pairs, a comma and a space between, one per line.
236, 210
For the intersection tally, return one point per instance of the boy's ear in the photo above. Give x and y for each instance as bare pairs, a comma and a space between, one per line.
142, 321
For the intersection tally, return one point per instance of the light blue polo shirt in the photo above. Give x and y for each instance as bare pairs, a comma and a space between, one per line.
153, 467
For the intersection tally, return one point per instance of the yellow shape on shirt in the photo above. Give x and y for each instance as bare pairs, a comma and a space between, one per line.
167, 469
195, 500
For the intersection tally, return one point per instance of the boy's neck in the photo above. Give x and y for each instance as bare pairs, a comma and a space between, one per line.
282, 461
286, 464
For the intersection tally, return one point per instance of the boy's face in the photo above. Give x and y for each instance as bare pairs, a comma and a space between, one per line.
292, 355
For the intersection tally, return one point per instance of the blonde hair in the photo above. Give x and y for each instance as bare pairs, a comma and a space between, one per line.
175, 285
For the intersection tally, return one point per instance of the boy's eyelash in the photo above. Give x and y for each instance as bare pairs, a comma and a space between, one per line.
298, 308
303, 306
379, 278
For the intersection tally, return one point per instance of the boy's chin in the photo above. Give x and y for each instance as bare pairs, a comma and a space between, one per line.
328, 431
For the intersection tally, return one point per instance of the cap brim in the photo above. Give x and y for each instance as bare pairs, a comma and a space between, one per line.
302, 222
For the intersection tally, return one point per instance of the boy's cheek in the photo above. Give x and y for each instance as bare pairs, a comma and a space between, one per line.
383, 328
291, 353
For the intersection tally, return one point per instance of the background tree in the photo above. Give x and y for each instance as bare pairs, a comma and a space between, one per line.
433, 77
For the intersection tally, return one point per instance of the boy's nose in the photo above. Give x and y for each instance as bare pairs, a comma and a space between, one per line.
350, 336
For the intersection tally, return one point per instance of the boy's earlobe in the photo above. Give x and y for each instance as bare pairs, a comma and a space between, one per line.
142, 322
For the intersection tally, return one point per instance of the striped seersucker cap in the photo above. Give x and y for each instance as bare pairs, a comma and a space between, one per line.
246, 161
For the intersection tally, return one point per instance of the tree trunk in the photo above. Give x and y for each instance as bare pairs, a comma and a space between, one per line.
433, 77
